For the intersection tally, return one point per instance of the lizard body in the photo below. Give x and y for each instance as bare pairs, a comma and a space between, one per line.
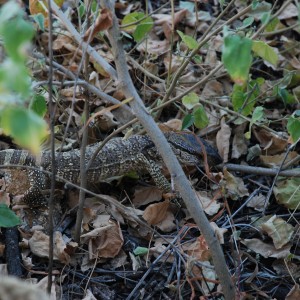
117, 157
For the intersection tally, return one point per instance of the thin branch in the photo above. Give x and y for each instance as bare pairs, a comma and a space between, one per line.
262, 171
168, 156
91, 51
52, 110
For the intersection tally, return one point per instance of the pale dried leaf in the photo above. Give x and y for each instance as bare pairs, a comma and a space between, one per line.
105, 241
198, 249
223, 140
219, 232
267, 250
145, 195
294, 293
279, 230
271, 143
209, 205
89, 295
257, 202
103, 22
234, 186
155, 213
168, 223
39, 246
273, 161
12, 288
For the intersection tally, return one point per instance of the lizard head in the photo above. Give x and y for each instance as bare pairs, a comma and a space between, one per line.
188, 148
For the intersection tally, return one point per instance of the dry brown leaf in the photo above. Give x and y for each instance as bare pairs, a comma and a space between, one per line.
12, 288
212, 89
273, 161
155, 213
198, 249
171, 125
294, 293
155, 47
39, 246
209, 205
279, 230
103, 22
61, 41
233, 186
105, 241
219, 232
223, 140
271, 143
267, 250
289, 12
257, 202
89, 295
144, 195
168, 223
239, 143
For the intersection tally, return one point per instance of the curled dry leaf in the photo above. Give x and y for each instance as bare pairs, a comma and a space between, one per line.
103, 22
273, 161
219, 232
294, 293
257, 202
234, 186
271, 143
279, 230
105, 241
266, 250
223, 139
239, 143
198, 249
39, 246
209, 205
145, 195
156, 213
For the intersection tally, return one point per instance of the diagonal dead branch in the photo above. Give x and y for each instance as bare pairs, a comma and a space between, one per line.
168, 156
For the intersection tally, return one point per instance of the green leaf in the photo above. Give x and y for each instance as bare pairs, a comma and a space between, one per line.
246, 23
25, 126
293, 127
287, 193
258, 114
260, 8
201, 118
190, 100
188, 121
286, 96
237, 58
16, 33
266, 52
38, 105
14, 78
272, 25
7, 217
140, 251
189, 41
265, 17
142, 28
40, 20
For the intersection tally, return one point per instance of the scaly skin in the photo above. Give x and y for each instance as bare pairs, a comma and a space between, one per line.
117, 157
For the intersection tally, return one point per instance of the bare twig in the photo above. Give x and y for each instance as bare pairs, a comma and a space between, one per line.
181, 182
262, 171
52, 110
91, 51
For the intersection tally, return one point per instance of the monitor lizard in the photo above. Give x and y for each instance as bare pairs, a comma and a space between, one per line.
117, 157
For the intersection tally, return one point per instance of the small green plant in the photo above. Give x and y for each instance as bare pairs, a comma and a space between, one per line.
20, 110
137, 23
